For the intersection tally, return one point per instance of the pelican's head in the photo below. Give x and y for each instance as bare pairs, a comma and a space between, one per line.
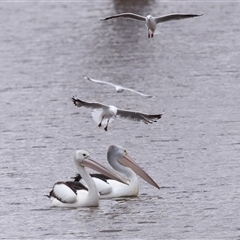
117, 151
119, 154
80, 155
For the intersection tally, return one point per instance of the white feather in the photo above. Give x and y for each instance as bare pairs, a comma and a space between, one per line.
96, 114
97, 117
64, 193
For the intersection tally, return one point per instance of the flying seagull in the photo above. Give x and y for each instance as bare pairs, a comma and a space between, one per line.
118, 88
151, 22
104, 114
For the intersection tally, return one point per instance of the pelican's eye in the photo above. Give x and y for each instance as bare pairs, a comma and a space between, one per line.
125, 152
84, 154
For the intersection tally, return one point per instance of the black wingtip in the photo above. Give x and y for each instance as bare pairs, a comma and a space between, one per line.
74, 100
86, 77
158, 117
198, 15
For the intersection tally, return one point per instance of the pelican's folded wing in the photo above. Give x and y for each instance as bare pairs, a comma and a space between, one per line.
63, 193
175, 16
138, 116
79, 103
74, 185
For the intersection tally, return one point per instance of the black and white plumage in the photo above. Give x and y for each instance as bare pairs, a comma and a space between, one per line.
151, 22
120, 161
118, 88
74, 194
104, 114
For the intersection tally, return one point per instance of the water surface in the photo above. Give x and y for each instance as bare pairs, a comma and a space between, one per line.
192, 66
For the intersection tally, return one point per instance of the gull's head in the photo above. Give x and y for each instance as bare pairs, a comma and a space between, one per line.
80, 155
149, 17
119, 89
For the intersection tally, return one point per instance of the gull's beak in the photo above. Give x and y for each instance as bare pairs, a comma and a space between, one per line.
101, 169
130, 163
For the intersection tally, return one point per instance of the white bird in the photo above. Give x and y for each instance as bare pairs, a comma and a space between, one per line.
70, 194
104, 114
120, 161
151, 22
118, 88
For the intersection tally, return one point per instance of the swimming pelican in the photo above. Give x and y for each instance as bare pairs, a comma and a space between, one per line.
120, 161
104, 114
151, 22
118, 88
70, 194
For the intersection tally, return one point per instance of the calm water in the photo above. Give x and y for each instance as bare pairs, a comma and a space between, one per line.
192, 66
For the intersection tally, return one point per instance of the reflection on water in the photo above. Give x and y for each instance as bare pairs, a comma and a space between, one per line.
192, 152
131, 6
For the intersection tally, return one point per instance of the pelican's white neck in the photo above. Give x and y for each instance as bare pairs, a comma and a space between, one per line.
112, 158
92, 196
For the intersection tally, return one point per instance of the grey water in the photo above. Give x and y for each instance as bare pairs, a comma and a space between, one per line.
191, 66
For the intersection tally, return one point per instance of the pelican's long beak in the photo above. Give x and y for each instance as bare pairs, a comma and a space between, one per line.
130, 163
100, 168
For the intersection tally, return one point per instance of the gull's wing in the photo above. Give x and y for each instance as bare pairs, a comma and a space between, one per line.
99, 81
79, 103
175, 16
117, 86
127, 15
142, 94
138, 116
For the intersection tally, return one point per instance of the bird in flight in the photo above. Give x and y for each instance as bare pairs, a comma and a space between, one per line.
151, 22
118, 88
103, 114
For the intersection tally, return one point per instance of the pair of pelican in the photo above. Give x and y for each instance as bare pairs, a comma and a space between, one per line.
86, 190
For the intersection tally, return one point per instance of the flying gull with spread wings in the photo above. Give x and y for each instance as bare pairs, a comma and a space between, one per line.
151, 22
103, 114
118, 88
